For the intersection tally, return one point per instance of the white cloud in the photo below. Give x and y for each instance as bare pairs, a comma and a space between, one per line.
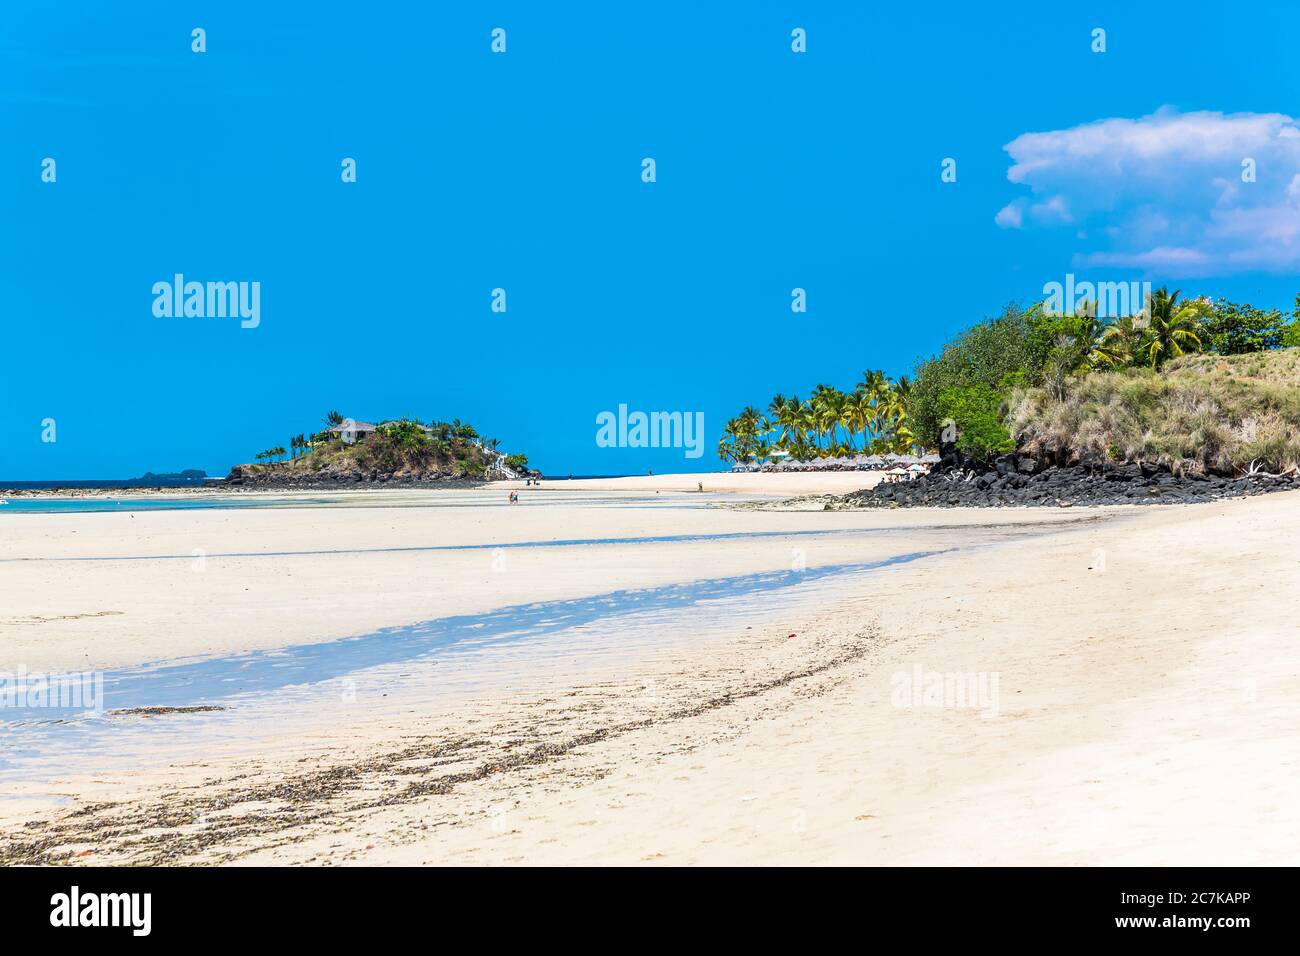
1165, 191
1052, 211
1012, 215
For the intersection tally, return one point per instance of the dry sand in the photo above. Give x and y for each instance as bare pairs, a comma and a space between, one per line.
1146, 666
751, 483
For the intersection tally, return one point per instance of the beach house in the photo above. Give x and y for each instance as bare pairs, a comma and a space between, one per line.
353, 430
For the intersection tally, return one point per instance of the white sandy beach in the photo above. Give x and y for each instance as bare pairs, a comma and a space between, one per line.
740, 483
1145, 662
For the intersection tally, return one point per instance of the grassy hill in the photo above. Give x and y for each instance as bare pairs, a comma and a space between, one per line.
1202, 413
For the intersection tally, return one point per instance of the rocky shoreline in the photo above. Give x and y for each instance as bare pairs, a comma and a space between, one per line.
1019, 482
76, 491
240, 479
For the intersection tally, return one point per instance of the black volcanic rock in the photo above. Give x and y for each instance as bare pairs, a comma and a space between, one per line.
1001, 486
259, 478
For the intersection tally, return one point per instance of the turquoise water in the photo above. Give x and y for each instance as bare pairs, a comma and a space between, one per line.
215, 681
410, 498
144, 503
503, 546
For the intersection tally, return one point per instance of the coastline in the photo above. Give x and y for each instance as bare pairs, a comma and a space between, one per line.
736, 729
725, 483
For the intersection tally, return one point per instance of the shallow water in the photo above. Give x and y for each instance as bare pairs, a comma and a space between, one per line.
387, 498
503, 546
94, 504
413, 659
212, 680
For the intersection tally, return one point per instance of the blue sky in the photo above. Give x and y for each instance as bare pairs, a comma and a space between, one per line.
522, 171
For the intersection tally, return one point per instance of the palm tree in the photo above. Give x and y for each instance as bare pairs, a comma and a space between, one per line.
1120, 343
782, 419
876, 389
805, 425
1170, 330
1090, 333
828, 414
333, 419
742, 439
861, 409
873, 381
888, 419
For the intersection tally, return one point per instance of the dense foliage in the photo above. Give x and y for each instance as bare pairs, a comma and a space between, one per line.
1033, 359
1054, 353
977, 408
403, 445
989, 359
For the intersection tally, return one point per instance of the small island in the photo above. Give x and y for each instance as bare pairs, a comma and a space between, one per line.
167, 479
401, 451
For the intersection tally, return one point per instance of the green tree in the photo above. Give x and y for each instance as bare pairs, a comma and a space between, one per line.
976, 411
997, 354
1171, 328
743, 437
1229, 328
783, 412
406, 434
1121, 342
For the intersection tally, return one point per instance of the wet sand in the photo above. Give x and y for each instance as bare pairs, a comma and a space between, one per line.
1145, 663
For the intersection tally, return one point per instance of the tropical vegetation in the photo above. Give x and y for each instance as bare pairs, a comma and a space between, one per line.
400, 446
829, 423
1077, 385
